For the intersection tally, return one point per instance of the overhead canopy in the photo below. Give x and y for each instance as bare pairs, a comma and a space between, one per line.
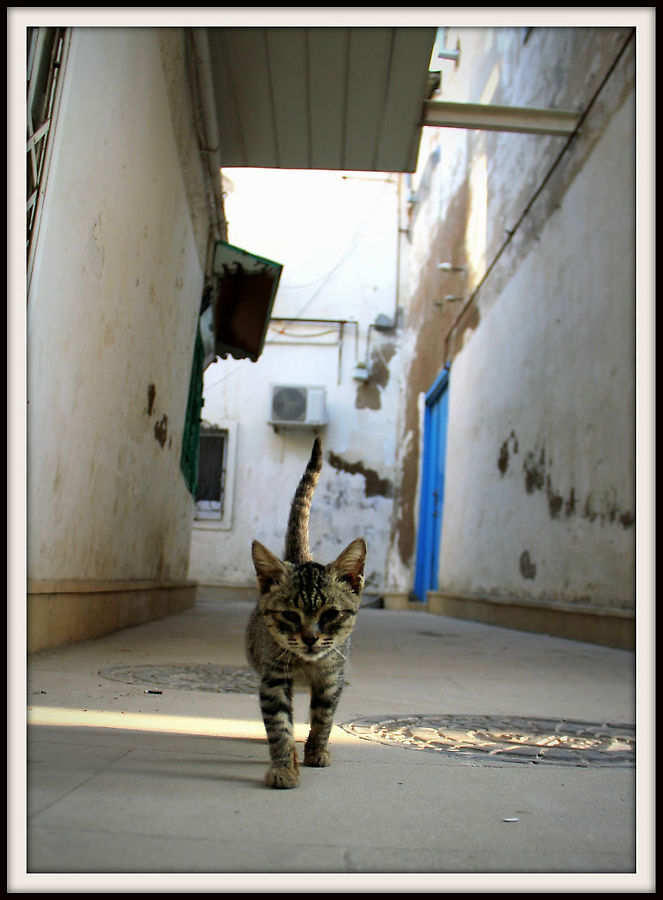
320, 98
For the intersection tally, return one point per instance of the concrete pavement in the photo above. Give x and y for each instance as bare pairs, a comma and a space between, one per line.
148, 777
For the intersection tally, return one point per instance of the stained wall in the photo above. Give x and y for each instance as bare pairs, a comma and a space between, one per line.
336, 235
112, 313
539, 486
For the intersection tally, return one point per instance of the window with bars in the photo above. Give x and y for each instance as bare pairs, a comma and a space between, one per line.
45, 57
212, 468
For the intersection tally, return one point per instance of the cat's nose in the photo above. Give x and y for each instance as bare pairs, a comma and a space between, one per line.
310, 636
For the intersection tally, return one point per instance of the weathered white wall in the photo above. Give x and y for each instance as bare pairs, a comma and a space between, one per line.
539, 493
336, 237
112, 314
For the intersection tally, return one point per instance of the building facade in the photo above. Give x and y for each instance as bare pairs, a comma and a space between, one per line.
334, 336
522, 289
465, 334
117, 260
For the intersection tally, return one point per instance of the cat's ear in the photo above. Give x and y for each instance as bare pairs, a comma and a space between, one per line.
269, 568
349, 566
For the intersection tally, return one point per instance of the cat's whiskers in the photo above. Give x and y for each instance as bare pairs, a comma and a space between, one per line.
287, 655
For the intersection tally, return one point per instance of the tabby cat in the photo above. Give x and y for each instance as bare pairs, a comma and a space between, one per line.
300, 632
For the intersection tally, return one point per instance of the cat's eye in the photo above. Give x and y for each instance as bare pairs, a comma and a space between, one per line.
329, 617
292, 618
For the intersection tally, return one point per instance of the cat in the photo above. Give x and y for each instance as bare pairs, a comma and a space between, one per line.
299, 632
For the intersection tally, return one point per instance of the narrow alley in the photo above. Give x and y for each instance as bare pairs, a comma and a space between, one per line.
421, 244
147, 752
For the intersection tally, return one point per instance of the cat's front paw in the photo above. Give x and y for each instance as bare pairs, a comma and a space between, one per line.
282, 776
317, 758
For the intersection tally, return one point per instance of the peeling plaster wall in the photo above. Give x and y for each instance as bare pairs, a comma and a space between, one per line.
550, 512
353, 497
539, 477
112, 315
336, 236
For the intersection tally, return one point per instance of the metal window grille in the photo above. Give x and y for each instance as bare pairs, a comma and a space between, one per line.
45, 56
212, 465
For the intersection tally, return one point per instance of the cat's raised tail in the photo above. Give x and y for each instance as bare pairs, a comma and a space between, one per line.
296, 538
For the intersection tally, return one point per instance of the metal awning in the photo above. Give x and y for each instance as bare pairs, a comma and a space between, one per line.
320, 98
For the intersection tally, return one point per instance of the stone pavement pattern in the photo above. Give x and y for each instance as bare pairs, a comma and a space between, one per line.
146, 756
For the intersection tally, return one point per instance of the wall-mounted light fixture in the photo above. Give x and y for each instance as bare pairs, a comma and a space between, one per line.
449, 298
442, 52
361, 372
449, 53
450, 267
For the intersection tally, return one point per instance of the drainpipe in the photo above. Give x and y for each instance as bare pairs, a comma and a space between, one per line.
399, 238
208, 135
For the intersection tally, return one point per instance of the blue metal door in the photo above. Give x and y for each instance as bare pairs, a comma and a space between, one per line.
432, 486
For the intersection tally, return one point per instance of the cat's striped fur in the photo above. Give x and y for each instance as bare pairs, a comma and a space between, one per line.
300, 632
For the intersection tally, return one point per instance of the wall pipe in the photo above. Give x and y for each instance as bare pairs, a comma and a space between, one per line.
209, 141
341, 323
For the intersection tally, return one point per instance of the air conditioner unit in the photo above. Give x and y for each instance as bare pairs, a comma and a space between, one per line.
297, 406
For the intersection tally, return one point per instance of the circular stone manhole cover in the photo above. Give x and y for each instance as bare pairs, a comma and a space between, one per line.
216, 679
512, 739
